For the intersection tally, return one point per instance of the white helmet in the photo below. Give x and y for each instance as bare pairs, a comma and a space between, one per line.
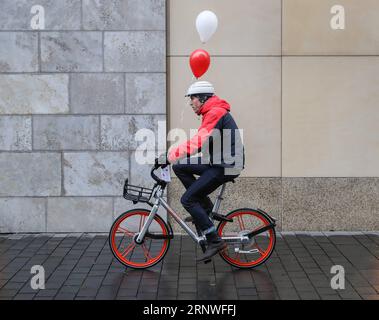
200, 87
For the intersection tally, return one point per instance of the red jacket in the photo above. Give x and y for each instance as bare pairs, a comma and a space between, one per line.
213, 110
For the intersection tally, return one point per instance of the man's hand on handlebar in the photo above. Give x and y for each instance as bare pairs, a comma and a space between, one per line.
161, 161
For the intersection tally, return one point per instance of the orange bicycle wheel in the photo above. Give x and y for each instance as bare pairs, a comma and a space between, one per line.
124, 232
254, 252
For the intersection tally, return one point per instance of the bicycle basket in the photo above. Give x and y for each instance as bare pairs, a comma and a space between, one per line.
136, 193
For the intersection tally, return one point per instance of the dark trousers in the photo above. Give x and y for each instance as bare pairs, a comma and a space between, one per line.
195, 200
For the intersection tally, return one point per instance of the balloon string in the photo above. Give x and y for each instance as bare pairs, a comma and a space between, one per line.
182, 112
182, 115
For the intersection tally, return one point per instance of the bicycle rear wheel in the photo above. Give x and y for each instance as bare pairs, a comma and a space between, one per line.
124, 232
258, 249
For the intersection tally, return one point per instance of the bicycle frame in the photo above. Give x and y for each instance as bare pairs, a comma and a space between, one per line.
159, 200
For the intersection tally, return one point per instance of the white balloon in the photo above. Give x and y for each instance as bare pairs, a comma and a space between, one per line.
206, 25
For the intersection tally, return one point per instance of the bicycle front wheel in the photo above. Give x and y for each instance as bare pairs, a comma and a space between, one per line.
258, 249
124, 232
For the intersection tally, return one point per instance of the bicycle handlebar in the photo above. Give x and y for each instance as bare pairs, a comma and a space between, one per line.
155, 177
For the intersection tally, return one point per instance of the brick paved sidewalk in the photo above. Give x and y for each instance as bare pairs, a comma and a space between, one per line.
81, 266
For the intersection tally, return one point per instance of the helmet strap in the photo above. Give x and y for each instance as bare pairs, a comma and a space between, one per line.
202, 97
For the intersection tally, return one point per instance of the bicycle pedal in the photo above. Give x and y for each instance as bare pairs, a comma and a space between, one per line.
219, 217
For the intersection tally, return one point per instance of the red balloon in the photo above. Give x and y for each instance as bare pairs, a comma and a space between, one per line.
199, 62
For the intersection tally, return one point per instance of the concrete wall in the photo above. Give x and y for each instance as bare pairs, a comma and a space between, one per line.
306, 97
71, 98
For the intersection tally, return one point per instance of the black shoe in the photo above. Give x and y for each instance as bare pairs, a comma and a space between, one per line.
215, 245
216, 216
220, 217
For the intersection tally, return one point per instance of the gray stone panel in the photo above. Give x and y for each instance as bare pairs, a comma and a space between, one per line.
15, 133
18, 52
97, 93
145, 93
22, 215
30, 174
135, 51
26, 94
124, 14
118, 132
66, 132
140, 172
80, 214
95, 173
72, 97
71, 51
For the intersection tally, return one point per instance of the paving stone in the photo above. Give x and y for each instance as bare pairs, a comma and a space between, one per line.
99, 282
4, 293
187, 288
127, 292
46, 293
365, 290
330, 297
13, 285
246, 291
87, 292
147, 296
24, 296
65, 296
186, 296
249, 297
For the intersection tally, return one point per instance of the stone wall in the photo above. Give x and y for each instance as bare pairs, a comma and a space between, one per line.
71, 98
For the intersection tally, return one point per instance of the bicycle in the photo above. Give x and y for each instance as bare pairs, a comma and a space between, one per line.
140, 238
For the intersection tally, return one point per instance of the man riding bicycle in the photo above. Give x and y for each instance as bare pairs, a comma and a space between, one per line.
222, 160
